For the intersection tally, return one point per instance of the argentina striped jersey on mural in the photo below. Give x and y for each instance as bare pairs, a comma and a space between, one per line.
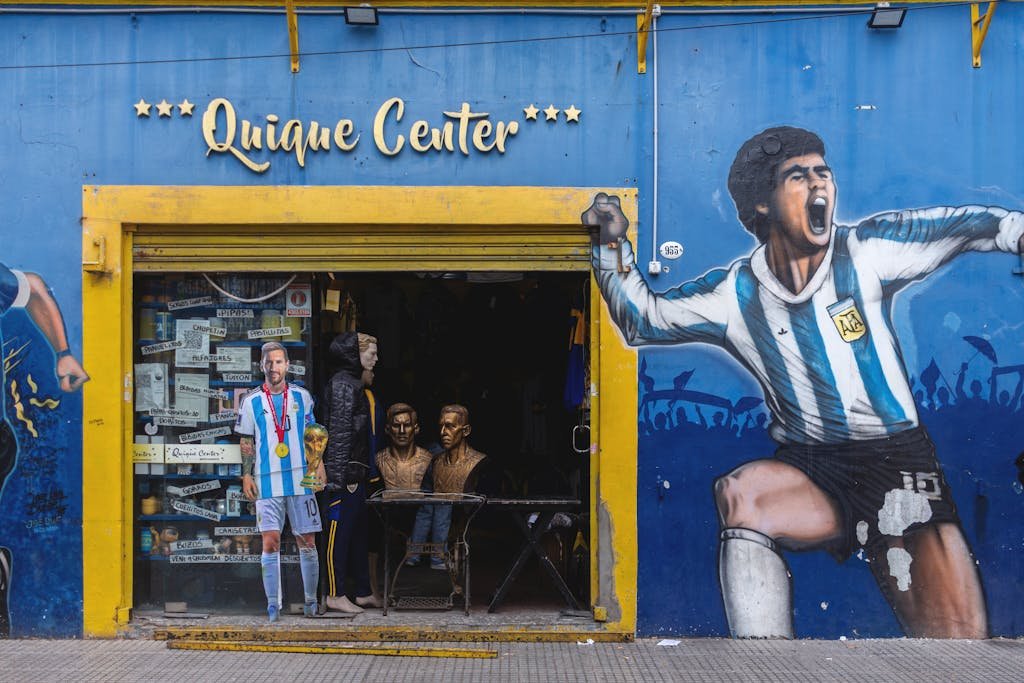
827, 357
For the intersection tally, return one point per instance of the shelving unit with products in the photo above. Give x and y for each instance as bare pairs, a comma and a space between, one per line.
196, 355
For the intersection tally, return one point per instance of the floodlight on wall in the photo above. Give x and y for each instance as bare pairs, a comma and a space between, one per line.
884, 16
364, 15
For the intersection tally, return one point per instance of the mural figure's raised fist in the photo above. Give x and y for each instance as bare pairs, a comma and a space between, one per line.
606, 213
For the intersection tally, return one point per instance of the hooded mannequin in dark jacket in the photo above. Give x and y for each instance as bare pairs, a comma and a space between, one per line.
346, 462
347, 416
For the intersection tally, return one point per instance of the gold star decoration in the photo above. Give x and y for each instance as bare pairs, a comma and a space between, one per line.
164, 108
142, 107
531, 112
551, 114
185, 108
572, 114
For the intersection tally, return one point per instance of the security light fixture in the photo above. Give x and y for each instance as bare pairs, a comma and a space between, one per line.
884, 16
364, 15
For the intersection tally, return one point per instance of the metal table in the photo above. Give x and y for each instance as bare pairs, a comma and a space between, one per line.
521, 509
456, 560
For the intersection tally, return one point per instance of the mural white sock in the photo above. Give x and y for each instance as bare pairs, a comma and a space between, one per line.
755, 585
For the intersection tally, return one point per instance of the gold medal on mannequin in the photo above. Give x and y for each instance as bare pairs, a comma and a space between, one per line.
281, 450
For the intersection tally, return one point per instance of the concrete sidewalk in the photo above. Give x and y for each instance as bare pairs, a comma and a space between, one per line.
863, 661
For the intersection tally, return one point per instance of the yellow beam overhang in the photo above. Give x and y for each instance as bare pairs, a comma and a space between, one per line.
293, 34
643, 31
979, 29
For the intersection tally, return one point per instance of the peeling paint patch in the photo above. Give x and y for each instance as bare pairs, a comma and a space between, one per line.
824, 605
899, 567
716, 201
862, 532
606, 559
901, 509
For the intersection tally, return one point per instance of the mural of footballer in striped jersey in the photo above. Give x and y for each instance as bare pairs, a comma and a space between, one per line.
28, 291
809, 315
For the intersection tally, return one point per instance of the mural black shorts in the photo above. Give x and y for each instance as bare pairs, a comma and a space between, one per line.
857, 475
8, 450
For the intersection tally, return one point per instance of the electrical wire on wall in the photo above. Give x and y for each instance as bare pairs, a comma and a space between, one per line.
654, 267
778, 15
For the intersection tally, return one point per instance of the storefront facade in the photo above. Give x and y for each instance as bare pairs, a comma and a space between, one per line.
146, 142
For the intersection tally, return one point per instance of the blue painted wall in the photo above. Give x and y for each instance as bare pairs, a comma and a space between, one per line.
906, 120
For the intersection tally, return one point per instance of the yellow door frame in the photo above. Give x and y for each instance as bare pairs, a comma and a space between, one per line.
110, 214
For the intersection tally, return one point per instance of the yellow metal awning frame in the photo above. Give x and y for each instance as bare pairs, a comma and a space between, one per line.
112, 216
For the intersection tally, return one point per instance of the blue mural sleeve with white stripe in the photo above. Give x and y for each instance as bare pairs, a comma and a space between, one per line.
12, 288
904, 246
693, 312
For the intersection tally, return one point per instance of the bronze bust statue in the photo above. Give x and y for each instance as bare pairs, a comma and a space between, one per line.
456, 470
403, 463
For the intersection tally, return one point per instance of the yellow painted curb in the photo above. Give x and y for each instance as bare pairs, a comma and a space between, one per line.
379, 651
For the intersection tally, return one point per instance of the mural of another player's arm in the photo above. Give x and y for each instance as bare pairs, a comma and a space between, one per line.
32, 293
695, 311
903, 246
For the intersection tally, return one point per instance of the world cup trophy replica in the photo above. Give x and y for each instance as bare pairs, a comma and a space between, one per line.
315, 438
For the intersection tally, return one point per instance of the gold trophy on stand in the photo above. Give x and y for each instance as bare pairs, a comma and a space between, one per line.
315, 438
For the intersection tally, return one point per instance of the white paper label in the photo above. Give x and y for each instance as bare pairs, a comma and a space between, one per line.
189, 303
237, 377
235, 530
194, 488
212, 331
212, 358
234, 313
297, 369
191, 390
190, 509
162, 346
224, 416
191, 400
200, 544
174, 412
239, 361
226, 559
184, 454
269, 332
148, 453
204, 434
173, 422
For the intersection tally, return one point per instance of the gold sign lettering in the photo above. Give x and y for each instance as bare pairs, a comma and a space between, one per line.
378, 126
341, 133
468, 126
465, 131
227, 144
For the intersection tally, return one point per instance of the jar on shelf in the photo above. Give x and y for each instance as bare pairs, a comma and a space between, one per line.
269, 319
164, 329
150, 505
147, 323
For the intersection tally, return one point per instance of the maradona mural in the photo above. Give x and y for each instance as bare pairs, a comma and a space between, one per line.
28, 291
809, 315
